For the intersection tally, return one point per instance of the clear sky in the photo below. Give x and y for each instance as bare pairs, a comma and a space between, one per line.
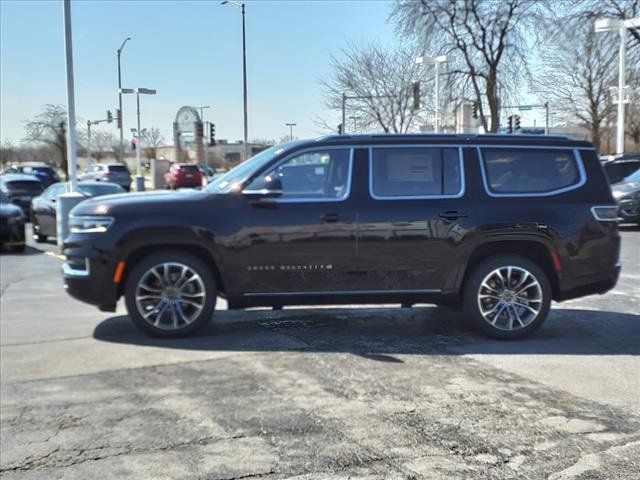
190, 51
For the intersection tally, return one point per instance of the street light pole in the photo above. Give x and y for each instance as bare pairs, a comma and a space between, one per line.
291, 125
244, 73
435, 61
610, 25
121, 150
138, 92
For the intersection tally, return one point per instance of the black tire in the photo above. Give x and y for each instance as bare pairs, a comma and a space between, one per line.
170, 256
35, 228
472, 302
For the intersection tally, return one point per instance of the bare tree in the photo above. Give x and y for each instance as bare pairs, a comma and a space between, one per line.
382, 80
576, 77
487, 43
589, 10
152, 139
49, 128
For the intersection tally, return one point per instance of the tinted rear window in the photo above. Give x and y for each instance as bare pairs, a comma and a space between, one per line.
618, 171
189, 168
529, 171
118, 168
25, 185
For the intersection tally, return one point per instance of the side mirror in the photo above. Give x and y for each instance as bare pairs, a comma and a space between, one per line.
267, 187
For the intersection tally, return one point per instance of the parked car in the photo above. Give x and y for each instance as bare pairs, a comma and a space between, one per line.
620, 167
108, 172
11, 225
43, 172
20, 189
208, 173
498, 225
627, 194
183, 175
43, 207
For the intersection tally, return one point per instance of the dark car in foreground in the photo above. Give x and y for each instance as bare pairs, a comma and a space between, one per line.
108, 172
43, 172
183, 175
12, 236
43, 207
627, 194
20, 189
499, 225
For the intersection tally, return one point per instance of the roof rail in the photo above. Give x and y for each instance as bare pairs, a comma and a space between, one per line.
440, 135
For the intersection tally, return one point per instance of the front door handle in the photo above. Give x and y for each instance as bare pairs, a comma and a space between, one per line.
452, 214
330, 217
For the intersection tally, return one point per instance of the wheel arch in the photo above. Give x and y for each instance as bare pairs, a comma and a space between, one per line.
143, 244
532, 249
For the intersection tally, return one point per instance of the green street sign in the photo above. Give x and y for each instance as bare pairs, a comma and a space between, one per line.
525, 107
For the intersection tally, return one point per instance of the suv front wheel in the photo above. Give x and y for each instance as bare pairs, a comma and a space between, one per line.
507, 297
170, 294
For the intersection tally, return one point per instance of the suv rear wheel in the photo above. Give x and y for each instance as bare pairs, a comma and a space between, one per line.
507, 297
170, 294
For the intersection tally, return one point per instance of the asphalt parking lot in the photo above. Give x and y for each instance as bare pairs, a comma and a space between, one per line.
316, 393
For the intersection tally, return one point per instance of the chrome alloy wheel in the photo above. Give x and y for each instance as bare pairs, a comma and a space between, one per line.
510, 298
170, 296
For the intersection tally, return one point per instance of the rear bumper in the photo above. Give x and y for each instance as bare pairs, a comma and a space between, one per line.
594, 284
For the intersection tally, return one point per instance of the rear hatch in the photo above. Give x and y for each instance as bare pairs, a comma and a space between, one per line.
119, 174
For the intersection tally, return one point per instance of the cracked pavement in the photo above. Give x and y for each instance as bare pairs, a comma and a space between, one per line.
331, 393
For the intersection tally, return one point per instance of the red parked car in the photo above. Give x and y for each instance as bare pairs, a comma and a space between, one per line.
183, 175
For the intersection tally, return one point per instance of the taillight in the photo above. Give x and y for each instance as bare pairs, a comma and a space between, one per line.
605, 213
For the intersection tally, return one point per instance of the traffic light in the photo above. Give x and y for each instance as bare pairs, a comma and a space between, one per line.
109, 116
133, 144
340, 129
119, 119
510, 127
212, 134
474, 113
517, 122
416, 95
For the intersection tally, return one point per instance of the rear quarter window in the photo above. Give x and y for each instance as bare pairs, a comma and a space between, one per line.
524, 171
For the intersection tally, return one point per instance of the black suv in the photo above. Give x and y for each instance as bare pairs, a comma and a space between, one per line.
499, 225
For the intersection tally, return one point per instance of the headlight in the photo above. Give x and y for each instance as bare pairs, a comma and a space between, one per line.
89, 224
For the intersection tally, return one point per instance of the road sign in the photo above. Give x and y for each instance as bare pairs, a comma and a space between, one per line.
524, 107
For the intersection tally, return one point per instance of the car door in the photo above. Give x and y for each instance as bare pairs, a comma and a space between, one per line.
302, 241
414, 218
46, 210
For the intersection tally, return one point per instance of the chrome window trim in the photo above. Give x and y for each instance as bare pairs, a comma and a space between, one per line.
341, 292
459, 194
576, 156
345, 196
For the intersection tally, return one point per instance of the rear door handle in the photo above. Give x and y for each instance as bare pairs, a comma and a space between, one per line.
452, 215
330, 217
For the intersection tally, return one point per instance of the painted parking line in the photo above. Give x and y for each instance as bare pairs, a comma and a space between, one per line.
56, 255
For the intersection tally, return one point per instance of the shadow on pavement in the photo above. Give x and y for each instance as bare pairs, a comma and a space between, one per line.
376, 333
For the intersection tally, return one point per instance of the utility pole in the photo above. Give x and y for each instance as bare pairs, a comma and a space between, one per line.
121, 126
291, 125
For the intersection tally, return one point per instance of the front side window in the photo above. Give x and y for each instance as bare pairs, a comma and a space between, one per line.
529, 171
313, 175
402, 172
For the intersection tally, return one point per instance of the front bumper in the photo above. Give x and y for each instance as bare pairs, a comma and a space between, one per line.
88, 272
12, 234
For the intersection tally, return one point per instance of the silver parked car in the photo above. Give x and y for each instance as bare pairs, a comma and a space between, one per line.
108, 172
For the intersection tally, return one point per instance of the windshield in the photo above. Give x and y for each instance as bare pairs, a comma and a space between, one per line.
634, 177
241, 172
